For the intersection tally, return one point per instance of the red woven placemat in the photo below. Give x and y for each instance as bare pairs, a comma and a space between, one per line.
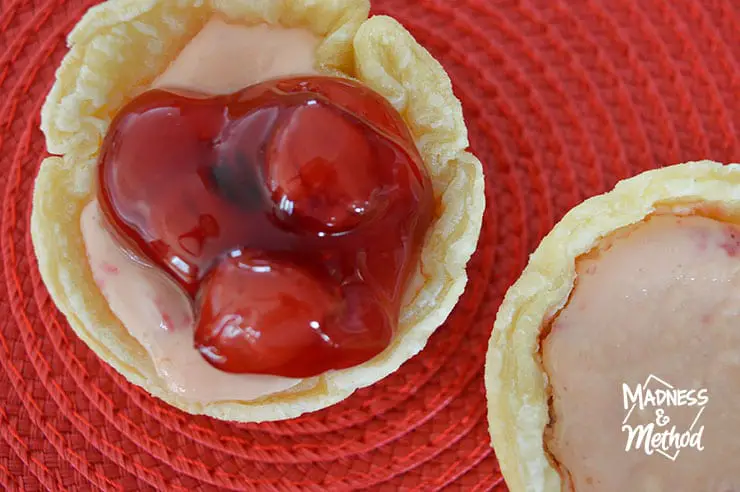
562, 98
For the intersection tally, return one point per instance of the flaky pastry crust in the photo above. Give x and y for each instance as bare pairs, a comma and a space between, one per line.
121, 46
516, 384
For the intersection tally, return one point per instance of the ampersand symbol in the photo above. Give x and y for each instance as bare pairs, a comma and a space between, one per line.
661, 419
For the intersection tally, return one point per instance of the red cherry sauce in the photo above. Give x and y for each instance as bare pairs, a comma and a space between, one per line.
292, 211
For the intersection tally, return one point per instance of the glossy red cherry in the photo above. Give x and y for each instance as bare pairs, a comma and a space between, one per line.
173, 191
268, 314
258, 313
363, 327
320, 175
321, 170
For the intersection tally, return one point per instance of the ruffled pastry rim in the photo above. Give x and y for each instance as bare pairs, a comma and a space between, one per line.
377, 51
516, 385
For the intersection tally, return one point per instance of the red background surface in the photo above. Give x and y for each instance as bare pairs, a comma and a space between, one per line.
562, 98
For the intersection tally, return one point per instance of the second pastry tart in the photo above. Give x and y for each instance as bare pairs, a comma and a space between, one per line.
614, 362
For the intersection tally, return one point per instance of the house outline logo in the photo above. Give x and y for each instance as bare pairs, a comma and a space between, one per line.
662, 436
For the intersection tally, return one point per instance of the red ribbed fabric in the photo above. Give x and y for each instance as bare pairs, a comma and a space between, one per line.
562, 98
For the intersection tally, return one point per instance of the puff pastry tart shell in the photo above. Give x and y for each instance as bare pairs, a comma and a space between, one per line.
121, 46
516, 384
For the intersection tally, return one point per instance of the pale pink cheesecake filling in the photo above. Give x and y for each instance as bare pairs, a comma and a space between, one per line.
661, 298
224, 58
221, 59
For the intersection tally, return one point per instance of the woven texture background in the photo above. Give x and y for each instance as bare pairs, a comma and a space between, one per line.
562, 98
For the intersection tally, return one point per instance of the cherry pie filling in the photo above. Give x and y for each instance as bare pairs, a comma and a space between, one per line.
293, 212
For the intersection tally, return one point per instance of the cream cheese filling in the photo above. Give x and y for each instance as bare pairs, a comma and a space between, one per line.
659, 298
